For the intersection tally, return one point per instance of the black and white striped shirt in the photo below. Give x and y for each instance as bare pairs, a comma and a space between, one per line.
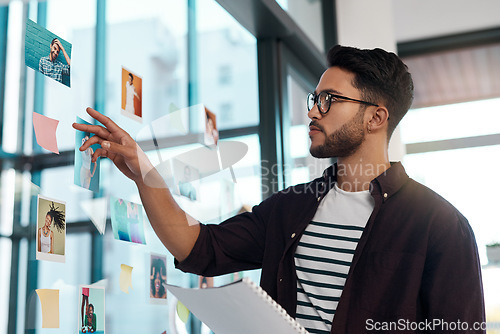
324, 255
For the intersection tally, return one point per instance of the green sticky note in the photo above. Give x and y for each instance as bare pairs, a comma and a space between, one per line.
182, 312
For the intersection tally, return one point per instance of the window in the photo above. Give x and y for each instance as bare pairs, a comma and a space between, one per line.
226, 53
224, 75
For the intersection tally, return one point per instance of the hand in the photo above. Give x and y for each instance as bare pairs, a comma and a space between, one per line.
116, 144
59, 44
153, 275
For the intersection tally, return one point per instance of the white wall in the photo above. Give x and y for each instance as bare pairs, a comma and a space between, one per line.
418, 19
368, 24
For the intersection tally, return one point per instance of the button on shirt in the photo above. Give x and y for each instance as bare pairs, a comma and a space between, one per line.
416, 259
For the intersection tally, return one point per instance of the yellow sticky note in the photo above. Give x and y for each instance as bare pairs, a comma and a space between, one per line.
126, 278
182, 312
49, 299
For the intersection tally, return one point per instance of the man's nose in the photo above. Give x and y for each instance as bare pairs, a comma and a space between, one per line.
314, 112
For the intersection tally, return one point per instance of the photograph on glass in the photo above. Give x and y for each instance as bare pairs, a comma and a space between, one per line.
51, 229
91, 310
158, 279
131, 95
86, 171
47, 53
127, 221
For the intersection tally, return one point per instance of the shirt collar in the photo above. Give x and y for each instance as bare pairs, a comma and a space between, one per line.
385, 185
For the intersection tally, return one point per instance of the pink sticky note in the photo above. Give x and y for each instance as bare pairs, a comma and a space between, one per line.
45, 132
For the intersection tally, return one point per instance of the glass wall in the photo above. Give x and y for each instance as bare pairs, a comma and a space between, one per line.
179, 53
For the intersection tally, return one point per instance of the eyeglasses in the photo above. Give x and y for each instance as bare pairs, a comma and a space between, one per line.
325, 99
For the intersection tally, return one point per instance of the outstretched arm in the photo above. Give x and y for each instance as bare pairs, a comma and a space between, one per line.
168, 220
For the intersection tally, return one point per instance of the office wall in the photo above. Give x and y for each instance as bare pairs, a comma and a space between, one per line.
418, 19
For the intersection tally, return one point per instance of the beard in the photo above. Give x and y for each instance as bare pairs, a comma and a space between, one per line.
344, 141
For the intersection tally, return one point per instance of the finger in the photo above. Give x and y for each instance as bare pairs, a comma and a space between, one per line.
107, 122
99, 153
95, 129
93, 140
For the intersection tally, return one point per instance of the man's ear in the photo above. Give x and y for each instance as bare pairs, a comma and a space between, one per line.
378, 118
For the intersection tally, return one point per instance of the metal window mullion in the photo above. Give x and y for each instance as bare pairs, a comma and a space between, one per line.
32, 269
193, 325
4, 15
97, 240
100, 57
270, 115
330, 32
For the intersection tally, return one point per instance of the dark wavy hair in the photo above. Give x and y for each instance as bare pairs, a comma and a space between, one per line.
380, 76
57, 216
159, 267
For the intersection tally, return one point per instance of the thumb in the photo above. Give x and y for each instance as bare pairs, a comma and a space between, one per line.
117, 148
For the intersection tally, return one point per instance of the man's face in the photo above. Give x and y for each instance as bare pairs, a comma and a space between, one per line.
91, 311
54, 51
340, 132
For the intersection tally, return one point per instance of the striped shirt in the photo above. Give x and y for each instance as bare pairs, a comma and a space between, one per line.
324, 254
53, 69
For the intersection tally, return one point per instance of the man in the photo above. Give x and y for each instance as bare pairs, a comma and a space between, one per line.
51, 66
363, 248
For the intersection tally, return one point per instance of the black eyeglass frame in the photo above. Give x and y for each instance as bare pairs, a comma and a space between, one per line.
330, 95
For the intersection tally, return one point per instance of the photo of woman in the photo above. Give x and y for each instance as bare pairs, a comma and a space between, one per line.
50, 242
131, 95
158, 277
85, 173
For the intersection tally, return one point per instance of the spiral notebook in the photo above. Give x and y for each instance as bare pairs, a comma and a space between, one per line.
239, 307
